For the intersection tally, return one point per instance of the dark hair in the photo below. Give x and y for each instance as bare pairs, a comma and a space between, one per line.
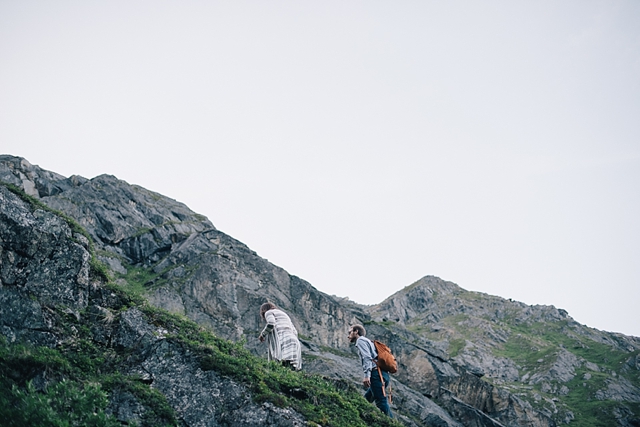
266, 307
359, 329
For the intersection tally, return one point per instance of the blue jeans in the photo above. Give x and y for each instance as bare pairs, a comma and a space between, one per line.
376, 393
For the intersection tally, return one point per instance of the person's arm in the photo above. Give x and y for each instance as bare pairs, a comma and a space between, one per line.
367, 361
271, 323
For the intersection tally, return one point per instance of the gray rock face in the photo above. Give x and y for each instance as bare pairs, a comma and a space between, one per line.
38, 258
561, 370
32, 179
134, 222
466, 358
621, 390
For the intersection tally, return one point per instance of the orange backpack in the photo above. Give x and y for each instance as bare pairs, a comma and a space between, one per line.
386, 360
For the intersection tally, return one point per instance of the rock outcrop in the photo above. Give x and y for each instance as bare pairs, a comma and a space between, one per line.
37, 246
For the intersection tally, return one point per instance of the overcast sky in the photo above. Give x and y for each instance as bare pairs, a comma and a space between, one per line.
359, 145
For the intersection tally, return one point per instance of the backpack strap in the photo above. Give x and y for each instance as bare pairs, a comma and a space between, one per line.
372, 350
384, 389
384, 392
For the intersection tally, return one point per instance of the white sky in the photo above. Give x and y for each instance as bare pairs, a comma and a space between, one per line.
359, 145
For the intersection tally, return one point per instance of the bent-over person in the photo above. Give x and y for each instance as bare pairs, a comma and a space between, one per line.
281, 336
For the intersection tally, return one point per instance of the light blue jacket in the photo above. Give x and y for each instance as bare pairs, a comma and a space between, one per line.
368, 354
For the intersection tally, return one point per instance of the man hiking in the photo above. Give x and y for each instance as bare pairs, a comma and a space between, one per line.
372, 379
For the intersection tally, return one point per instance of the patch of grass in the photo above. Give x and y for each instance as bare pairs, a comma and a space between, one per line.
138, 279
141, 231
20, 362
455, 346
65, 403
473, 296
526, 352
200, 217
544, 337
457, 319
98, 270
589, 411
127, 296
158, 412
337, 352
598, 353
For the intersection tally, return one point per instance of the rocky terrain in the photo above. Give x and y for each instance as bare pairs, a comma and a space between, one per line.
466, 358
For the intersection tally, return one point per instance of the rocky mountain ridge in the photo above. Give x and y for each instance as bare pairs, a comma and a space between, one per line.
466, 358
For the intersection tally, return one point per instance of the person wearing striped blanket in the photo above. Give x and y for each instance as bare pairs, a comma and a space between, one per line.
281, 337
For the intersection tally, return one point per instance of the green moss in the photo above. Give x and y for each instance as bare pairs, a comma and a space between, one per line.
62, 404
141, 231
98, 270
159, 412
419, 328
137, 279
527, 352
337, 352
19, 362
455, 346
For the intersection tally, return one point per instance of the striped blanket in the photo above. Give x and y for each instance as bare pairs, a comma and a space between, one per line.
282, 338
